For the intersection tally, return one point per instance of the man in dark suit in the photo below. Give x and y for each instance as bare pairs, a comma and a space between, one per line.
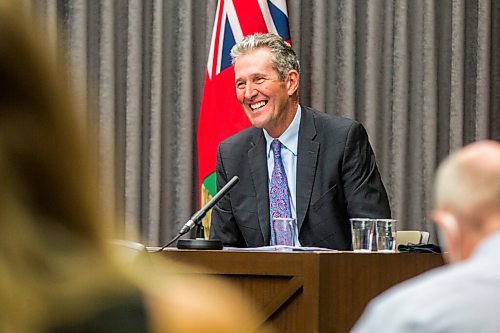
328, 163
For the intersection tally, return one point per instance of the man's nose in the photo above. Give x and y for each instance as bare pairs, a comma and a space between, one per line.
250, 90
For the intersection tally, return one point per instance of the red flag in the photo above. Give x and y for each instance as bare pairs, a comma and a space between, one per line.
221, 115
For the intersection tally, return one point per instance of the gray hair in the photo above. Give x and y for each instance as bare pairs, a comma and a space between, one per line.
283, 57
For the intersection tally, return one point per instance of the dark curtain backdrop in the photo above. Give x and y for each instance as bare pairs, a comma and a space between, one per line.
422, 76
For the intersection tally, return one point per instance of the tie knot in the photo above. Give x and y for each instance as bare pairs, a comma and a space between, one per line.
276, 146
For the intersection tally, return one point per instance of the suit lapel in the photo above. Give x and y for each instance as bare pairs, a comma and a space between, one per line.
307, 158
258, 169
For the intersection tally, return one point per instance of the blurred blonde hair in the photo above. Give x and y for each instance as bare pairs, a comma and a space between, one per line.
56, 267
51, 229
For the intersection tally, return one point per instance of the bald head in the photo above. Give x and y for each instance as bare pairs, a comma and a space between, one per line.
468, 182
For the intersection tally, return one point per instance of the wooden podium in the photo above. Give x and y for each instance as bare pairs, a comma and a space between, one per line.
308, 291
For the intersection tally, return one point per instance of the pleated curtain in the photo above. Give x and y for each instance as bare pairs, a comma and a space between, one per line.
422, 76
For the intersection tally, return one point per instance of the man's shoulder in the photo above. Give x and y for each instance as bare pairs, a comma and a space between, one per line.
329, 120
406, 302
331, 127
440, 298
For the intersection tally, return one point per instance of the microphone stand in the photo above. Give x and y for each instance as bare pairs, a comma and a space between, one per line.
200, 243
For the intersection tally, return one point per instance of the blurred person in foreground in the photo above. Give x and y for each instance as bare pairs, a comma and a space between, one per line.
58, 272
294, 162
463, 296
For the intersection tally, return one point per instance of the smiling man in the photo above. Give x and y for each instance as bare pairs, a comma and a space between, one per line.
293, 162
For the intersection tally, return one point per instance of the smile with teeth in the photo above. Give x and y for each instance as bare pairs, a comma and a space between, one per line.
257, 105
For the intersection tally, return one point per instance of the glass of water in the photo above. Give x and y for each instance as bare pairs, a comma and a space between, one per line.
285, 231
386, 235
362, 230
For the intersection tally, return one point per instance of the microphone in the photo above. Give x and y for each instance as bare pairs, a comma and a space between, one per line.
195, 219
201, 244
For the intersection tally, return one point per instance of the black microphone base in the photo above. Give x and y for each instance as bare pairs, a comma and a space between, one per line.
199, 244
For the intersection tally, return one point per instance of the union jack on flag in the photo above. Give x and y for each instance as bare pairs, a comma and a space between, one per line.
257, 16
221, 115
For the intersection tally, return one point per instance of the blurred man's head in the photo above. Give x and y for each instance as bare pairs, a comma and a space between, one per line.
468, 198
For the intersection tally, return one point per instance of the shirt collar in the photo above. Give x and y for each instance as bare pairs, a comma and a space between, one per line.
289, 138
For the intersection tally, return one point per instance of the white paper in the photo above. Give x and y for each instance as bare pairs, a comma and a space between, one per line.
279, 248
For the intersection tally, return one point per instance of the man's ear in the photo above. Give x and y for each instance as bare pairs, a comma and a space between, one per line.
449, 234
292, 82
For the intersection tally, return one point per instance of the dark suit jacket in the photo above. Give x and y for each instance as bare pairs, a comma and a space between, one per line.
337, 178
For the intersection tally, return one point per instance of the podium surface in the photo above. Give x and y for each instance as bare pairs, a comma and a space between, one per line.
323, 291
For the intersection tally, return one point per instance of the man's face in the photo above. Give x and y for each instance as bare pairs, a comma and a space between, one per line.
265, 99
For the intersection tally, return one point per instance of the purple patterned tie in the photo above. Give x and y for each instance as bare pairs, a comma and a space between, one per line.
279, 199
